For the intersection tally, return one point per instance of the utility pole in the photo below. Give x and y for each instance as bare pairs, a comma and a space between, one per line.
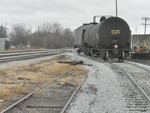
116, 9
38, 31
145, 23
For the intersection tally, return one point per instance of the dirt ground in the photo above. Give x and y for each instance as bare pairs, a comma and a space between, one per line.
23, 79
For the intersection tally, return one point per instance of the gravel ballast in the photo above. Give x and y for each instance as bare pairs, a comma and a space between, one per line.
100, 93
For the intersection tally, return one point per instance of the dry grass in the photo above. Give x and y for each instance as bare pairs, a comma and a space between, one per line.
10, 90
57, 69
31, 67
76, 76
18, 80
21, 90
1, 105
6, 94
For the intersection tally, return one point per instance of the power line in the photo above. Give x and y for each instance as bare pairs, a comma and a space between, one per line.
145, 23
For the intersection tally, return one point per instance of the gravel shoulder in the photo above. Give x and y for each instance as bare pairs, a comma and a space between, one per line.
100, 93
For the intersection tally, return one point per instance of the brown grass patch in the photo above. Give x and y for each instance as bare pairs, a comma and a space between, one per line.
10, 90
39, 92
5, 94
2, 73
76, 76
36, 78
31, 67
23, 79
57, 69
21, 90
1, 105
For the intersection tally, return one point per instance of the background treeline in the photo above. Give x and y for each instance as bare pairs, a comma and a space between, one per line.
47, 35
3, 31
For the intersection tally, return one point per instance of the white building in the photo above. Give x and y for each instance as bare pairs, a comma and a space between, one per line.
2, 43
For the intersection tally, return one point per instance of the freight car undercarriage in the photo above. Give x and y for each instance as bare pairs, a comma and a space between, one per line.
105, 54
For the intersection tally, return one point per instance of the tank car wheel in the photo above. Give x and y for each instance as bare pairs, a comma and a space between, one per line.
78, 51
122, 56
86, 52
106, 56
89, 52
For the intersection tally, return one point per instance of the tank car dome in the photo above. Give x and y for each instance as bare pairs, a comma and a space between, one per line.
102, 18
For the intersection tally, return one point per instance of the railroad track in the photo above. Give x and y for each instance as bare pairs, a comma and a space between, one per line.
19, 52
54, 98
14, 53
13, 56
134, 81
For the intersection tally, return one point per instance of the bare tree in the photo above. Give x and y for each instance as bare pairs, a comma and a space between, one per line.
20, 35
3, 31
69, 37
52, 36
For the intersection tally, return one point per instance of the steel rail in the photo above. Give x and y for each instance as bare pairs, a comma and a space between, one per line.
136, 84
31, 51
28, 56
134, 64
30, 94
70, 99
25, 53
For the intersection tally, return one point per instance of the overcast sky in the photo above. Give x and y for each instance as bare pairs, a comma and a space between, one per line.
72, 13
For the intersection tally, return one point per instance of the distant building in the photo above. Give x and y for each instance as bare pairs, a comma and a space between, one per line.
139, 41
2, 43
